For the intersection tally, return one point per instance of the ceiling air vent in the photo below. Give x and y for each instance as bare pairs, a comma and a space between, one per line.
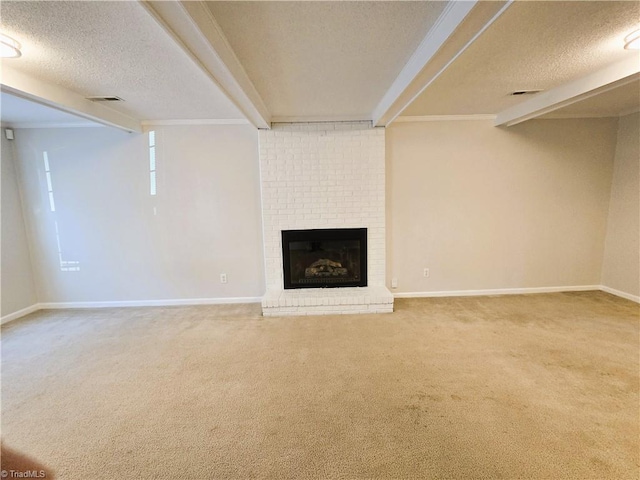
108, 98
517, 93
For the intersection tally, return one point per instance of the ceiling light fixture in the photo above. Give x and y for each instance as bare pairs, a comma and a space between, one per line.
632, 41
9, 48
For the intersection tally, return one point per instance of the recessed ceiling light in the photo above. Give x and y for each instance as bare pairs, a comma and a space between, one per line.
9, 48
632, 41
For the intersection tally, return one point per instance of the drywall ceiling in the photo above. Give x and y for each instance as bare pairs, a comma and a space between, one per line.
20, 113
619, 101
305, 61
532, 45
112, 48
311, 60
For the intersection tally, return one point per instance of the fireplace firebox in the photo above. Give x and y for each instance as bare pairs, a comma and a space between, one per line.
322, 258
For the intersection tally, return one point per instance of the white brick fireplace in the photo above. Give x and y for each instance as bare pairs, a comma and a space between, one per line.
319, 176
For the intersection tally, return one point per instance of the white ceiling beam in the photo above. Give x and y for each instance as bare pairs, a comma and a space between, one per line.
458, 27
22, 85
193, 27
608, 78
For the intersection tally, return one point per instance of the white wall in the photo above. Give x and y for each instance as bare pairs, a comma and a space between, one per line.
482, 207
621, 269
18, 287
131, 245
492, 208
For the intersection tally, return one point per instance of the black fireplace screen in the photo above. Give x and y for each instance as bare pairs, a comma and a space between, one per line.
325, 258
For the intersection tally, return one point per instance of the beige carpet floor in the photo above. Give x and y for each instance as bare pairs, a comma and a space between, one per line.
529, 386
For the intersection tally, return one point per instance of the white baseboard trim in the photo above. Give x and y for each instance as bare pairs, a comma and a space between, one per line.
20, 313
152, 303
496, 291
233, 300
132, 303
618, 293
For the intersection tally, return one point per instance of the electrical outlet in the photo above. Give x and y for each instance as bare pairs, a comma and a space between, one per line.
426, 272
394, 282
223, 278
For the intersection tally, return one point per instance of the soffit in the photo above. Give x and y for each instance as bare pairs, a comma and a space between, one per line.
17, 112
324, 59
112, 48
533, 45
619, 101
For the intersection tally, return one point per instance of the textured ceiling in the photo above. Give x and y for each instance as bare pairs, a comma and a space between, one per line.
112, 48
18, 112
319, 60
324, 59
533, 45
